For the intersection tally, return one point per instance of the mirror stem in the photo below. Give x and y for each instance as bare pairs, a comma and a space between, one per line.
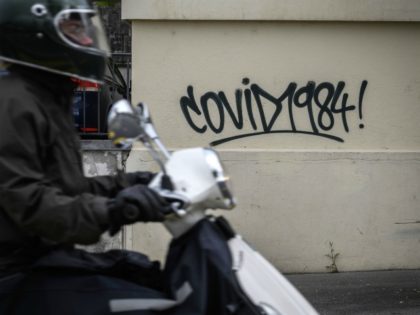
155, 156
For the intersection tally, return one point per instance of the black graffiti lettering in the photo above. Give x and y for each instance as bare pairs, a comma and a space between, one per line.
344, 108
248, 101
325, 116
308, 93
361, 95
187, 103
290, 91
237, 119
204, 100
258, 93
338, 90
325, 104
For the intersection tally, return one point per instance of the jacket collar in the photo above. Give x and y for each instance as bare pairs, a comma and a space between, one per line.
60, 86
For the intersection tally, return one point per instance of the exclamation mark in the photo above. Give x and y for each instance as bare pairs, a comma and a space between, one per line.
361, 95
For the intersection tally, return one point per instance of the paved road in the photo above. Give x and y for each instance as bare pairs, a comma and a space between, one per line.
377, 292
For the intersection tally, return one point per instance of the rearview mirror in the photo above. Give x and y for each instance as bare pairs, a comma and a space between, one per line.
124, 125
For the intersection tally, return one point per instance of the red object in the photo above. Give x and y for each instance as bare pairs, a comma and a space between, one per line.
85, 84
89, 129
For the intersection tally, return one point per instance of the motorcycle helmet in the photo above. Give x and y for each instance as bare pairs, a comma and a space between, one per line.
60, 36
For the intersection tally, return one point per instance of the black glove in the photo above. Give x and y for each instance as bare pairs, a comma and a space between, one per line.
135, 178
137, 203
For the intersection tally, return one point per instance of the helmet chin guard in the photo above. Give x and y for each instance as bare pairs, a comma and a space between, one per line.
60, 36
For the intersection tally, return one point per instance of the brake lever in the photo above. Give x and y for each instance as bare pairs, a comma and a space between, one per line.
177, 202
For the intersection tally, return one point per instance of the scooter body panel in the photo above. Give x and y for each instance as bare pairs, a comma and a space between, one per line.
263, 284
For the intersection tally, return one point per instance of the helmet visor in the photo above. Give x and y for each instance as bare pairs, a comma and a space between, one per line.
82, 29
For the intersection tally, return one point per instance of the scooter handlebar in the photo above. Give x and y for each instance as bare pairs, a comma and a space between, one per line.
177, 202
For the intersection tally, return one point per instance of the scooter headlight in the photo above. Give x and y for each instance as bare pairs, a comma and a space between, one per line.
223, 182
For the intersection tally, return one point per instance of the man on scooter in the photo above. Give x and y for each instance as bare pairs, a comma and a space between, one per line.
47, 205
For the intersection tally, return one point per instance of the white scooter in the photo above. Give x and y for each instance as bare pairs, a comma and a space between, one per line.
209, 268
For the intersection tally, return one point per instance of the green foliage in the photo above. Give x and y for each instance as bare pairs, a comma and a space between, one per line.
106, 3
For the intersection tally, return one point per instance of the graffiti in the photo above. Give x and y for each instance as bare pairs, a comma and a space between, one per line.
325, 107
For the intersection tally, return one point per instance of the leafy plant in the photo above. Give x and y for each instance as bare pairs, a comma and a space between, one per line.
333, 257
106, 3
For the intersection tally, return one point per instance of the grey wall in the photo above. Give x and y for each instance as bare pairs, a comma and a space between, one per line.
101, 158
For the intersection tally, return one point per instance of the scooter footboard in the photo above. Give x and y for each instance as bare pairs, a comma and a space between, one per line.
263, 284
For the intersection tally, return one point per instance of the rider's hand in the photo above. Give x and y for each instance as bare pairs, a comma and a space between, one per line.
143, 178
137, 203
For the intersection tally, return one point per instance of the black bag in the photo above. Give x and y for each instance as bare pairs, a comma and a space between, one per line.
197, 280
72, 281
202, 258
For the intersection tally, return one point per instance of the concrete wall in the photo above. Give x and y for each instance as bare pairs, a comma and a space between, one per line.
100, 157
314, 107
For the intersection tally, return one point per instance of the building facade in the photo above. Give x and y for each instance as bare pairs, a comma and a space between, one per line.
314, 107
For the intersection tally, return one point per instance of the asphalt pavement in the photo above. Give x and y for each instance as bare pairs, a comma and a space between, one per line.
394, 292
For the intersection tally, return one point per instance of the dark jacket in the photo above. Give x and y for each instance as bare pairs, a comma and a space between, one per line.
45, 199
